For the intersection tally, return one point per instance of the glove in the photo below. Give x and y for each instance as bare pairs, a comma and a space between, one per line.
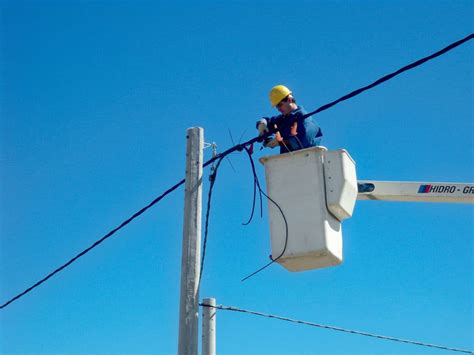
262, 126
271, 143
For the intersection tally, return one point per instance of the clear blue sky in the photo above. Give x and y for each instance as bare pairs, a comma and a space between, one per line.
95, 99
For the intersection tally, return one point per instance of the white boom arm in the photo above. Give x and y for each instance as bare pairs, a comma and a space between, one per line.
416, 191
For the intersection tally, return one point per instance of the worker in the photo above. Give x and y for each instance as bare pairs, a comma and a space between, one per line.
289, 130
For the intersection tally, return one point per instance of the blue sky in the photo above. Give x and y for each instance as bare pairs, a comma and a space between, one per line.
95, 99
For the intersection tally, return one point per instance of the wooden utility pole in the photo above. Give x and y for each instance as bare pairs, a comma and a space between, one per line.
191, 250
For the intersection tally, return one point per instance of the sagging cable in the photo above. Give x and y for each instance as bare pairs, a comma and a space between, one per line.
257, 183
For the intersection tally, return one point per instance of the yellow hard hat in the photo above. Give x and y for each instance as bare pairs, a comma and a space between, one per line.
278, 93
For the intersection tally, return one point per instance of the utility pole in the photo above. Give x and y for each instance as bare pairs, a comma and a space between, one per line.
209, 327
191, 250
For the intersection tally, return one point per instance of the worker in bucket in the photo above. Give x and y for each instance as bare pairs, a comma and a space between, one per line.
289, 130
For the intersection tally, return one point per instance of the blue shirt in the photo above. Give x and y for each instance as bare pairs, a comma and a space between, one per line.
309, 134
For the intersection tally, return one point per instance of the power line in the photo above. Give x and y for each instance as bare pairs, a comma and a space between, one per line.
239, 147
85, 251
378, 336
383, 79
391, 75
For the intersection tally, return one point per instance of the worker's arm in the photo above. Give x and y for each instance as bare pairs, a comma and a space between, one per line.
267, 124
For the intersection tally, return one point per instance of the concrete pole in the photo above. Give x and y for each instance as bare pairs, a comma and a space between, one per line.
191, 251
209, 327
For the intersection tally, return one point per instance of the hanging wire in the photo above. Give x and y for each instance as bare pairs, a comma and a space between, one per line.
212, 179
329, 327
253, 203
257, 183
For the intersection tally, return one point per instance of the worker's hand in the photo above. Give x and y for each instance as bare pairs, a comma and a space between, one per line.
262, 126
294, 129
278, 136
271, 143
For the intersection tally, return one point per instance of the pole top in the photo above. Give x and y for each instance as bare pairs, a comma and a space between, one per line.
209, 301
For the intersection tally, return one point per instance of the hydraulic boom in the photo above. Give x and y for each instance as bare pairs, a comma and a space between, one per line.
416, 191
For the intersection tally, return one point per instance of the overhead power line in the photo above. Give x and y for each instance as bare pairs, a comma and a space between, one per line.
238, 147
383, 79
330, 327
85, 251
391, 75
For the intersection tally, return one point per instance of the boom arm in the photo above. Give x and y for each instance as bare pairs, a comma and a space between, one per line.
415, 191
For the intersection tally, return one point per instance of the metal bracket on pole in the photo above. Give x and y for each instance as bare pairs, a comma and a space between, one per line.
191, 250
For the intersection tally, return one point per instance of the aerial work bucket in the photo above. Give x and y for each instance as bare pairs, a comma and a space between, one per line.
316, 189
